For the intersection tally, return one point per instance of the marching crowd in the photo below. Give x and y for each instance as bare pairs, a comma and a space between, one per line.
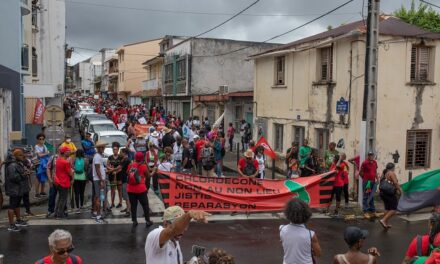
188, 146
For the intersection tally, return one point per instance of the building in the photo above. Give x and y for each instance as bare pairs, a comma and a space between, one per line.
299, 85
110, 72
152, 85
82, 78
95, 68
131, 73
199, 73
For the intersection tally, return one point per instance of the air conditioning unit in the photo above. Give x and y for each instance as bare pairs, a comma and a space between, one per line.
223, 89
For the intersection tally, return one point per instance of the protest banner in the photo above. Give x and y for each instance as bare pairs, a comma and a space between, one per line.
38, 112
142, 121
144, 129
242, 194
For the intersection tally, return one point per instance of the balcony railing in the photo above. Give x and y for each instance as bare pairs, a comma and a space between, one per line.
150, 84
25, 57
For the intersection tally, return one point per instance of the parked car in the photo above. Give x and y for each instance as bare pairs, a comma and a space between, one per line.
95, 126
110, 137
85, 119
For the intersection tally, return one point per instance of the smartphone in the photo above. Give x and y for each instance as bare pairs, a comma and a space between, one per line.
198, 251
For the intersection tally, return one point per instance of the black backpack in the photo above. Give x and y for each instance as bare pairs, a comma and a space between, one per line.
249, 169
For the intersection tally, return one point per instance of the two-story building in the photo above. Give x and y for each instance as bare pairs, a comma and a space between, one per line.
207, 77
298, 85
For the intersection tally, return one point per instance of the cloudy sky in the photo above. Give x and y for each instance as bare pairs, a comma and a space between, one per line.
96, 24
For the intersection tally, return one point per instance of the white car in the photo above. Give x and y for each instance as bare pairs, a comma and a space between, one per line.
95, 126
110, 137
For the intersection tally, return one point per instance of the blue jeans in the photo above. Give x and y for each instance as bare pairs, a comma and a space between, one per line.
218, 168
178, 167
52, 199
368, 198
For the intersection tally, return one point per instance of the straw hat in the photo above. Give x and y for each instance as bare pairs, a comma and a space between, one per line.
100, 143
155, 134
249, 153
166, 130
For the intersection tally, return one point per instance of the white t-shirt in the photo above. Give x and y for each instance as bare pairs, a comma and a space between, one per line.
297, 244
165, 166
97, 159
261, 165
177, 152
170, 253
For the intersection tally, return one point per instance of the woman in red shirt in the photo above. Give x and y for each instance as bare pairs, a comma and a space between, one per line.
138, 174
341, 168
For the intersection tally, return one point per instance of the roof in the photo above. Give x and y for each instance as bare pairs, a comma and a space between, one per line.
388, 25
154, 60
148, 93
227, 40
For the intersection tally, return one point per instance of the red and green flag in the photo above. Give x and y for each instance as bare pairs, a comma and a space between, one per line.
421, 192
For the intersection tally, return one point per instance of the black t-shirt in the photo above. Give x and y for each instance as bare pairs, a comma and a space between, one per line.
311, 163
114, 162
187, 153
168, 140
123, 172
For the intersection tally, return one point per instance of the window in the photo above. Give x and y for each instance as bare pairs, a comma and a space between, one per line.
278, 137
181, 69
322, 139
298, 135
418, 149
420, 63
326, 64
34, 62
169, 73
279, 70
152, 72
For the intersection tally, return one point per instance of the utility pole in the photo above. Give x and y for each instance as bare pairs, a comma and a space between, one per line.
369, 111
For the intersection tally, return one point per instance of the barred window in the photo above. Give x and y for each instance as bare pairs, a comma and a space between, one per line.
279, 70
278, 128
418, 149
420, 63
326, 64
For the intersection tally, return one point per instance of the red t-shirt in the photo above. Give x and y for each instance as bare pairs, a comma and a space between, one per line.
138, 188
242, 164
199, 145
369, 169
48, 260
341, 174
62, 169
412, 249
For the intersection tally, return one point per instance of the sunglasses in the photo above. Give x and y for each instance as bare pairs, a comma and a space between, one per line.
41, 138
64, 251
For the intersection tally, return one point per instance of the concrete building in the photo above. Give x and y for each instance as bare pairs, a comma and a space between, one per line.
82, 77
131, 73
199, 74
109, 61
95, 68
298, 86
152, 85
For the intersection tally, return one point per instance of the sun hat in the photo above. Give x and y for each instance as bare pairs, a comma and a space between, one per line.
100, 143
155, 134
249, 153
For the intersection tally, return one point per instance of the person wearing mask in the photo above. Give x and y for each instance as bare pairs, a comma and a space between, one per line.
188, 164
125, 161
137, 177
355, 237
177, 154
162, 244
311, 164
99, 182
300, 244
60, 248
230, 134
15, 179
140, 145
43, 156
113, 168
421, 244
248, 166
69, 144
389, 189
304, 153
80, 163
292, 160
261, 158
62, 181
329, 155
208, 159
368, 172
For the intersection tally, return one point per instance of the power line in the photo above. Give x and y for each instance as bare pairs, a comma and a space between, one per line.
431, 4
285, 33
194, 12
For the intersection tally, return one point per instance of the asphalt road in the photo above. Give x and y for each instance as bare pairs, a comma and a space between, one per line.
250, 241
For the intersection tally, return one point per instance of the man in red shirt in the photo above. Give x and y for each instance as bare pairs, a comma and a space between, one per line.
60, 246
200, 143
368, 172
62, 181
248, 166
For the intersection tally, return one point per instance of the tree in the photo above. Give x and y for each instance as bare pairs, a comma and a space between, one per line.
424, 17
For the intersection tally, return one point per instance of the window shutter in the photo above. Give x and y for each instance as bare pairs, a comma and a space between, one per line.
418, 149
326, 64
423, 63
413, 63
280, 70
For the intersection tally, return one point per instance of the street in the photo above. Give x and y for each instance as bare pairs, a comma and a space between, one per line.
249, 241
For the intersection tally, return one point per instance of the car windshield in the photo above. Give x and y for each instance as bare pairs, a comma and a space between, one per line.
122, 140
103, 127
96, 117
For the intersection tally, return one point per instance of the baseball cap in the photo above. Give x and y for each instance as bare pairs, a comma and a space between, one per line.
196, 137
353, 234
139, 156
172, 213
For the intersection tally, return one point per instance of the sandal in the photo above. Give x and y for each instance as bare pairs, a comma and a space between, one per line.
383, 225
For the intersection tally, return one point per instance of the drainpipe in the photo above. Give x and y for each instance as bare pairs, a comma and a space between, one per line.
174, 75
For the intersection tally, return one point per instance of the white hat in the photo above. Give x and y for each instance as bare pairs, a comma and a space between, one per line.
155, 134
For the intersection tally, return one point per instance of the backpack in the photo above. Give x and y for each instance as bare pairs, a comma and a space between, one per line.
207, 159
249, 169
79, 166
420, 257
133, 174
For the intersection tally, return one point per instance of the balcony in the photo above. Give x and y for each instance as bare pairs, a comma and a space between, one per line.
25, 57
150, 84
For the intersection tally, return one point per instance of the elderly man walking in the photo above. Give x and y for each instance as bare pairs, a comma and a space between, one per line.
60, 247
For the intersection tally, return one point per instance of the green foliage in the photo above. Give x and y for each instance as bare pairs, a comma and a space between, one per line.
423, 16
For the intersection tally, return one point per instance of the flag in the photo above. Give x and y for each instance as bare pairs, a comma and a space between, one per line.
421, 192
218, 122
38, 112
267, 149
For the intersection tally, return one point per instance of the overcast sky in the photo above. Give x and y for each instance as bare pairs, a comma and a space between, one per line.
96, 24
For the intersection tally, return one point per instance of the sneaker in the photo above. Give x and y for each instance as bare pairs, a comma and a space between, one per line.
148, 224
78, 211
367, 216
94, 216
127, 214
118, 206
100, 221
124, 211
13, 228
49, 214
43, 194
21, 223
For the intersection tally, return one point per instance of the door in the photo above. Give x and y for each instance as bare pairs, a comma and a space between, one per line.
249, 117
322, 139
186, 108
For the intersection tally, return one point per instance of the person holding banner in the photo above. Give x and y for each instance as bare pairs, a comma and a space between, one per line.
261, 158
248, 166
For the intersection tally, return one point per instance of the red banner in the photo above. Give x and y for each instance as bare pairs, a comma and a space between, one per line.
267, 149
38, 112
144, 129
242, 194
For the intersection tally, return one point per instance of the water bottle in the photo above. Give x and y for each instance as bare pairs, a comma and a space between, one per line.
102, 195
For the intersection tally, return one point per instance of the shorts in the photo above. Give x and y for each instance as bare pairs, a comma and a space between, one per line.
337, 191
124, 192
390, 201
97, 189
115, 178
14, 201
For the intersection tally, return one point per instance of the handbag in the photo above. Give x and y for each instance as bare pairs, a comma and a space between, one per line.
386, 187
